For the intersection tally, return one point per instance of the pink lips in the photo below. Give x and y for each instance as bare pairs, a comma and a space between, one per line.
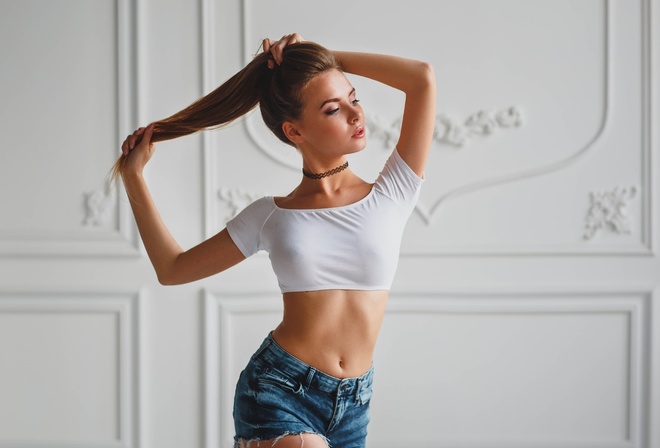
359, 133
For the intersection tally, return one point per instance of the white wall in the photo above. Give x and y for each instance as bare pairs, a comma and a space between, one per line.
525, 311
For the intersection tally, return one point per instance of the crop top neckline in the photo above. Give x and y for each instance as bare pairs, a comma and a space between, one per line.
324, 209
354, 246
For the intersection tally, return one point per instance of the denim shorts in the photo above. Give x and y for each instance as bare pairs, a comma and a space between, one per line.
277, 395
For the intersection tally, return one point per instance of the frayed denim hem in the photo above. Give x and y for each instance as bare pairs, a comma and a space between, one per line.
256, 443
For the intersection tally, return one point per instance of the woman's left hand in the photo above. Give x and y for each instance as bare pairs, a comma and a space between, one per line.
138, 148
275, 48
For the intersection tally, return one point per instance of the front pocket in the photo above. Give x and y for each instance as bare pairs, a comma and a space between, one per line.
274, 377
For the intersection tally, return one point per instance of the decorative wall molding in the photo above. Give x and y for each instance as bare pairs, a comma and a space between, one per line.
509, 116
237, 198
483, 123
220, 309
208, 38
92, 238
480, 123
218, 391
378, 129
607, 210
427, 209
448, 130
127, 307
97, 207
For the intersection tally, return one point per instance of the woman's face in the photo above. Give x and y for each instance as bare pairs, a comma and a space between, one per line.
332, 122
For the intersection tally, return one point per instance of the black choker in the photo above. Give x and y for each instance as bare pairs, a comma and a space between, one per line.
327, 173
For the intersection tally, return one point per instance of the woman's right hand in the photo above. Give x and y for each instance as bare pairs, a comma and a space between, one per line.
275, 47
138, 149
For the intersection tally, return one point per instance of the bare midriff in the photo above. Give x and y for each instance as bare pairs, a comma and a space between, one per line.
334, 331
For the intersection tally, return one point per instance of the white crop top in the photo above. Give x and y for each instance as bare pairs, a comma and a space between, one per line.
355, 246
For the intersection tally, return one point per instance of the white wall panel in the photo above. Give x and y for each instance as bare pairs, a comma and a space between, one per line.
513, 369
540, 105
69, 372
66, 81
234, 328
502, 368
537, 90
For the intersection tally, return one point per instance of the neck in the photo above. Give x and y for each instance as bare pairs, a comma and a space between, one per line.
328, 173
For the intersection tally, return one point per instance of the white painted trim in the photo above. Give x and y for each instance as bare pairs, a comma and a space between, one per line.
86, 241
646, 248
650, 84
207, 27
127, 306
219, 393
653, 364
635, 300
129, 105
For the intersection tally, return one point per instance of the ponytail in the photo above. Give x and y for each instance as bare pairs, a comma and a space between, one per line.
276, 90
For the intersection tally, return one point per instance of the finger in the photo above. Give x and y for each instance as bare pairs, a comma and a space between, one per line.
276, 51
131, 141
148, 132
273, 50
135, 138
295, 38
266, 44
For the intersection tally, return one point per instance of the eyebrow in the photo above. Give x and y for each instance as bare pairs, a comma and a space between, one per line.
331, 100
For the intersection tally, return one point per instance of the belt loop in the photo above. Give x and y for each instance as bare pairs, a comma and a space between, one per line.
358, 390
310, 376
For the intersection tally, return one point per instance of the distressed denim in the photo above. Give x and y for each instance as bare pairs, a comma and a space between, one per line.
278, 394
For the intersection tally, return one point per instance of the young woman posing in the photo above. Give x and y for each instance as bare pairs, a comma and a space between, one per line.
333, 241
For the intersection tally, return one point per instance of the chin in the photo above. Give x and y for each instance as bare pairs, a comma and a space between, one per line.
360, 147
355, 150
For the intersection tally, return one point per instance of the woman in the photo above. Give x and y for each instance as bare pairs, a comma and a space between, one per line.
333, 241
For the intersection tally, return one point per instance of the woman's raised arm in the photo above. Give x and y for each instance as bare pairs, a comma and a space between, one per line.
414, 78
417, 80
173, 265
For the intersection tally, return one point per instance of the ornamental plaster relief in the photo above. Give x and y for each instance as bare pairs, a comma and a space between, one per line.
607, 211
98, 205
449, 130
237, 198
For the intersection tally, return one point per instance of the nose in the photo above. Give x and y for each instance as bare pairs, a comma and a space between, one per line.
357, 114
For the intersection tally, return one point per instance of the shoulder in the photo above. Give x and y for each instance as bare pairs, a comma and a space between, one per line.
262, 205
397, 180
255, 213
245, 227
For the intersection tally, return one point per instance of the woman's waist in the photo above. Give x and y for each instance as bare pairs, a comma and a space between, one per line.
279, 363
327, 358
334, 332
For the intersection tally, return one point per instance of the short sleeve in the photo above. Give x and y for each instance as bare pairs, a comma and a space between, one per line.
245, 228
398, 181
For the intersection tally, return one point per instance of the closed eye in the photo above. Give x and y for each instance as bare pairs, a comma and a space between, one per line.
334, 111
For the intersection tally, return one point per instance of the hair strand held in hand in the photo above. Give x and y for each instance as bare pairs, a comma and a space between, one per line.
277, 91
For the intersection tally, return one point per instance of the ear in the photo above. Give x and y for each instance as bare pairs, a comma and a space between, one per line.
291, 131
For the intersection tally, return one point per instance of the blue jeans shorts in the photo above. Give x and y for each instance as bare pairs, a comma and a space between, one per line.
277, 395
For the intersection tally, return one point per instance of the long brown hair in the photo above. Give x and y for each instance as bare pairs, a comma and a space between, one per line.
277, 90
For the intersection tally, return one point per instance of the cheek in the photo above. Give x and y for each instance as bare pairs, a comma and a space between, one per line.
328, 129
